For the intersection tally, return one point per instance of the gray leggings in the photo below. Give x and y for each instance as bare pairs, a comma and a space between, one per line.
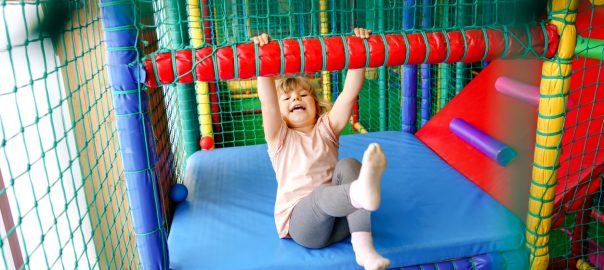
326, 215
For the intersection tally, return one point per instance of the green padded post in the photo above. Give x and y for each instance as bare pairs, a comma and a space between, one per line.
383, 95
444, 70
176, 22
460, 70
590, 48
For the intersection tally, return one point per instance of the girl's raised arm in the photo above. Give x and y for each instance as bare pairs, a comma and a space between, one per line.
271, 116
267, 93
342, 108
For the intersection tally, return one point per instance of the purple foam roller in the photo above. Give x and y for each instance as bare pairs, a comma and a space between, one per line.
484, 143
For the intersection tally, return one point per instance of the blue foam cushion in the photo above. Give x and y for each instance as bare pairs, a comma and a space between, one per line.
429, 212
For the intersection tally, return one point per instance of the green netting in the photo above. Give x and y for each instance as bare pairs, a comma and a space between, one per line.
236, 21
63, 200
579, 239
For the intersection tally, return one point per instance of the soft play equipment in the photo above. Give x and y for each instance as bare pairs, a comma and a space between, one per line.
429, 213
519, 90
178, 193
446, 196
131, 133
211, 220
508, 120
484, 143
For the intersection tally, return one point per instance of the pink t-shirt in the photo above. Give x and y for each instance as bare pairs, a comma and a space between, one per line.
301, 162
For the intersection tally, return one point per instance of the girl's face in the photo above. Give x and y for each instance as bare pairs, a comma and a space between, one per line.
298, 108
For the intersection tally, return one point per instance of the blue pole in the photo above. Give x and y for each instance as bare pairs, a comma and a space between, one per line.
134, 132
335, 80
426, 70
409, 77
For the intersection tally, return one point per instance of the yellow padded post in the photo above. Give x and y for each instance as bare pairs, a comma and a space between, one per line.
203, 95
555, 83
583, 265
324, 20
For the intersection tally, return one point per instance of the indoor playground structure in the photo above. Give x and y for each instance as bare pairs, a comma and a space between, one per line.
131, 131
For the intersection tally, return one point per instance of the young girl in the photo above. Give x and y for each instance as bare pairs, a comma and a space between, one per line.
320, 200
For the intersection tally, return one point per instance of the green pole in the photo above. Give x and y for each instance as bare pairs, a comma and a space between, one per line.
460, 71
590, 48
444, 70
383, 106
176, 20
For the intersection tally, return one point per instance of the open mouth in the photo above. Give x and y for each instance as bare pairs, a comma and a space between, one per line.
297, 108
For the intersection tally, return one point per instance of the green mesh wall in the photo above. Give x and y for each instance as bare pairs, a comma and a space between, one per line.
236, 21
62, 197
578, 240
63, 202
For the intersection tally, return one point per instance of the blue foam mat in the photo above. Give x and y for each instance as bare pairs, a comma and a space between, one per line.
429, 212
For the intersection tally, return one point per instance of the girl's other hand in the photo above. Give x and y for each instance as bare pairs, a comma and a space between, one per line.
362, 32
261, 39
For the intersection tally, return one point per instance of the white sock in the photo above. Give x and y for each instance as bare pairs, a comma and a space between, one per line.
365, 191
365, 253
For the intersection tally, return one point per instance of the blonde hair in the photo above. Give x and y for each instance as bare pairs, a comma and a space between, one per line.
287, 84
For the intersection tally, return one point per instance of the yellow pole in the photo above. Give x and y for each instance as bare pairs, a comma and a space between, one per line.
555, 83
203, 95
360, 128
324, 31
247, 17
583, 265
244, 96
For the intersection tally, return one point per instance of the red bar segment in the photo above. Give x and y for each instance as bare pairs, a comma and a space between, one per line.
329, 53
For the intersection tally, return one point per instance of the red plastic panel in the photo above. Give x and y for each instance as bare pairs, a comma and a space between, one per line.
508, 120
582, 157
590, 18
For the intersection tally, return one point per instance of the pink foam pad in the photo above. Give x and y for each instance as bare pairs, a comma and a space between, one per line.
528, 93
506, 119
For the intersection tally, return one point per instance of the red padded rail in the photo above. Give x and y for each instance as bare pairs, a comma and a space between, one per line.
311, 55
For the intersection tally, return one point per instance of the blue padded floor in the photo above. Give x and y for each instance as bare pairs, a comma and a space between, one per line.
429, 213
